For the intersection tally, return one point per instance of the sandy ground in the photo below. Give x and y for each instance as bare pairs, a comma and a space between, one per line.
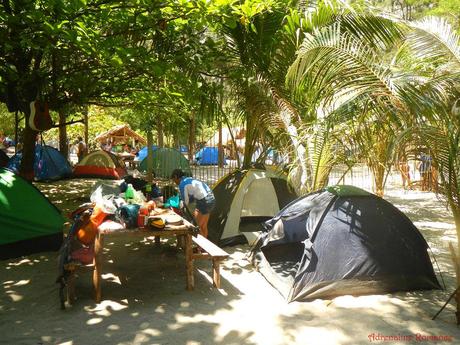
145, 301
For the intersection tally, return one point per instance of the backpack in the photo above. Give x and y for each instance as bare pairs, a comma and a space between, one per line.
40, 119
128, 215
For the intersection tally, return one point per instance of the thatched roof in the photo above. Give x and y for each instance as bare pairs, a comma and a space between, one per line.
120, 134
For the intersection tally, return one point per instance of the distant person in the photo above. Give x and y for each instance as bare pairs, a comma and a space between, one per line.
81, 149
195, 190
107, 147
127, 148
425, 171
137, 146
404, 169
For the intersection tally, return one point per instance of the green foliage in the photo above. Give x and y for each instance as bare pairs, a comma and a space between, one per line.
7, 121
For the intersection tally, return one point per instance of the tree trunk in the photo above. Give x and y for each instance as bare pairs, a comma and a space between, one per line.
176, 140
160, 138
191, 138
455, 259
26, 170
63, 146
85, 119
379, 175
16, 130
300, 174
251, 139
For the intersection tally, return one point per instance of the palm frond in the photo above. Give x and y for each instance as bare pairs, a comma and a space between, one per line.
434, 38
332, 60
378, 32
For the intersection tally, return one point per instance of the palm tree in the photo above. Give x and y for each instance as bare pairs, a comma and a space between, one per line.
263, 51
434, 40
345, 68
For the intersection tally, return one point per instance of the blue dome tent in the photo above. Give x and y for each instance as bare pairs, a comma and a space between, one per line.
49, 164
208, 156
142, 154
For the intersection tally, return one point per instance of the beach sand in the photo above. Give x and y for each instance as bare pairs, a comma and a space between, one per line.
144, 300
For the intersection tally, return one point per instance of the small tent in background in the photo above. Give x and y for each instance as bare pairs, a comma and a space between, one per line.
3, 159
101, 164
244, 199
341, 241
29, 223
165, 160
49, 164
208, 156
142, 153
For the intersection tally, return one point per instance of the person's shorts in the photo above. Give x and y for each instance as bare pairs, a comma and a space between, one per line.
207, 204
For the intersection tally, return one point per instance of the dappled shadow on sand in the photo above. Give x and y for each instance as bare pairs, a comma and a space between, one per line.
67, 195
144, 300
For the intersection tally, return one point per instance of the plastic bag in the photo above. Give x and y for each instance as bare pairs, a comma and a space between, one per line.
105, 202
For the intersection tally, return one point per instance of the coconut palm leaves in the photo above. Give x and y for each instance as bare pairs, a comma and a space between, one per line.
333, 63
435, 39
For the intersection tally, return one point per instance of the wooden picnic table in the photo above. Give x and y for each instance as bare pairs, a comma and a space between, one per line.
183, 234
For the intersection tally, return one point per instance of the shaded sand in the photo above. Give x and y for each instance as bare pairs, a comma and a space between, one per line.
145, 301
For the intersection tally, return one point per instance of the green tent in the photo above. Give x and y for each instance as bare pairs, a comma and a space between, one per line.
165, 160
29, 223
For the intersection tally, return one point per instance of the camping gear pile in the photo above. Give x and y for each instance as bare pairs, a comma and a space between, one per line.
131, 204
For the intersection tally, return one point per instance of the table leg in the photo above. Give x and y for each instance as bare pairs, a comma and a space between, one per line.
97, 273
216, 273
189, 262
71, 287
157, 240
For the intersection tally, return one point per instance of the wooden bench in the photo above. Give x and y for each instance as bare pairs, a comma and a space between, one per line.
211, 252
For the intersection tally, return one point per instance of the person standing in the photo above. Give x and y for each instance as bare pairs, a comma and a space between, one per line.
425, 171
81, 149
404, 169
195, 190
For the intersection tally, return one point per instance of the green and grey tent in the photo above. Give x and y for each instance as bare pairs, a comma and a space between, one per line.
165, 160
245, 199
29, 223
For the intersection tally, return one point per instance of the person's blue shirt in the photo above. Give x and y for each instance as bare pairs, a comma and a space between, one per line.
191, 189
425, 165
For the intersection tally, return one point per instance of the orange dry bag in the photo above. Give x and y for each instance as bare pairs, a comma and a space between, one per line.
87, 234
